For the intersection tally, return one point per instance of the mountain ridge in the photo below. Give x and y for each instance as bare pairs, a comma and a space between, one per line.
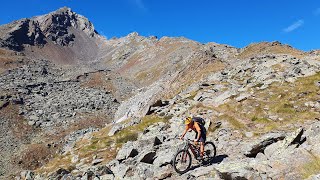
86, 105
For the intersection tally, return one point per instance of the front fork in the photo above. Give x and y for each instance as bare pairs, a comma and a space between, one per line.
184, 156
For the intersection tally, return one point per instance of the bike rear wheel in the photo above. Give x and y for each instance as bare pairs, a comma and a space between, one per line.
209, 150
182, 161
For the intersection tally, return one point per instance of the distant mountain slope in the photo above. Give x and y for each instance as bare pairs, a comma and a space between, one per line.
60, 81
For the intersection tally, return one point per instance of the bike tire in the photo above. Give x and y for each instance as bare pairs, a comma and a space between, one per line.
210, 149
176, 160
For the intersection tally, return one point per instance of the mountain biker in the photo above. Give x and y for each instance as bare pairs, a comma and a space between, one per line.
199, 129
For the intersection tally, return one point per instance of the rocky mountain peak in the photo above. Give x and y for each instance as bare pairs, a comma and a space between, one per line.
59, 27
63, 10
59, 22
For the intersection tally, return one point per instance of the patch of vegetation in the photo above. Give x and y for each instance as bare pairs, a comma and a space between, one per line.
150, 75
285, 108
101, 144
186, 78
284, 100
278, 67
127, 136
234, 122
192, 95
142, 75
268, 125
311, 168
268, 48
59, 161
34, 156
260, 119
213, 127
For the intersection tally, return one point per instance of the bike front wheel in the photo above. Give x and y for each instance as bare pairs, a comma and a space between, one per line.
182, 161
209, 150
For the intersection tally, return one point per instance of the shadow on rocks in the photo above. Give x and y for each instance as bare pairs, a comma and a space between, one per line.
218, 159
215, 160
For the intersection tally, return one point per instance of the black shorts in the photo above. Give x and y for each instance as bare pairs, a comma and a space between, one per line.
203, 137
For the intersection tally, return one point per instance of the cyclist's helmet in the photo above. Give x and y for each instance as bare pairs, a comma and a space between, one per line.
188, 120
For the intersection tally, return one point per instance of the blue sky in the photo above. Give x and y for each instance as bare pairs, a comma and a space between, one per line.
234, 22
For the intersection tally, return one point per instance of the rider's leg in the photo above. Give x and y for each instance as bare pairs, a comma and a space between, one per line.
201, 149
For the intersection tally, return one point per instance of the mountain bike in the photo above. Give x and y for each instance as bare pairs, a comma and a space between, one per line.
182, 160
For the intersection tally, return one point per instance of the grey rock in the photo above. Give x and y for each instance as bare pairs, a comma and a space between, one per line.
34, 118
59, 173
236, 170
207, 171
242, 97
72, 138
272, 149
31, 123
249, 134
164, 157
96, 161
260, 145
107, 177
127, 150
27, 175
163, 174
314, 177
138, 105
295, 137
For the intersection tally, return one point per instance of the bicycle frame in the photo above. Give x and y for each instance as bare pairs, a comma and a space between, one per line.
195, 150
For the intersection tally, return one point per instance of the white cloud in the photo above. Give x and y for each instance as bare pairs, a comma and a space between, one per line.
294, 26
316, 12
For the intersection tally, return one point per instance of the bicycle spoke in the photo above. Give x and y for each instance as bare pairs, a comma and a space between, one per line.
182, 161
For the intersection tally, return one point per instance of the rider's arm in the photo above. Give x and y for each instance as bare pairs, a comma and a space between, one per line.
198, 129
184, 132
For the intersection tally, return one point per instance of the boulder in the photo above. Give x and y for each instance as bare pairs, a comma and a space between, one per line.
260, 145
120, 170
164, 157
236, 170
127, 150
34, 118
144, 143
163, 174
31, 123
205, 171
103, 170
242, 97
107, 177
288, 163
294, 138
145, 171
273, 149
